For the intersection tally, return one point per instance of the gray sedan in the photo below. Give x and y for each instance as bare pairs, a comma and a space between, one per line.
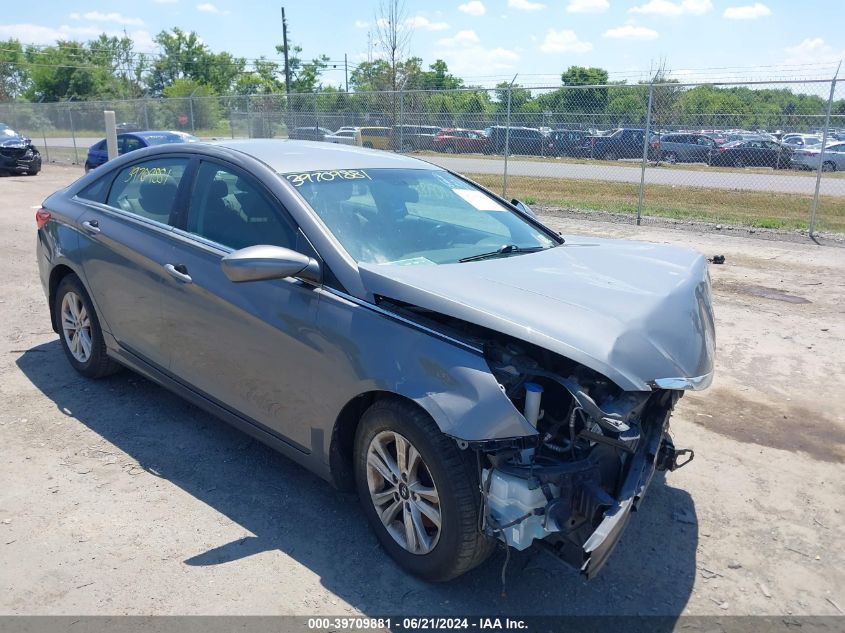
393, 327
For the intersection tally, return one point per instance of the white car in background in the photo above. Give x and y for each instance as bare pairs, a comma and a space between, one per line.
345, 136
831, 159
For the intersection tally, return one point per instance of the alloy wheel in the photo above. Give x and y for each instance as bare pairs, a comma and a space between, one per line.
403, 492
76, 326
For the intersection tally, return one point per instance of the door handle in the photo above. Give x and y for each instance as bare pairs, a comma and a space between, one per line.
179, 272
91, 226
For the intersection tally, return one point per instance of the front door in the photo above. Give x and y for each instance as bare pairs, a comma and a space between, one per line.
249, 345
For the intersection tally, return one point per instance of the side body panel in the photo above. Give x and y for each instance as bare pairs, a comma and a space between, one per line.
123, 263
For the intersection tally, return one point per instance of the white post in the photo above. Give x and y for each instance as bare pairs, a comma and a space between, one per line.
111, 133
645, 154
814, 207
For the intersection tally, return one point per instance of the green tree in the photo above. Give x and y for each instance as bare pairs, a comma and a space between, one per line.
14, 74
185, 56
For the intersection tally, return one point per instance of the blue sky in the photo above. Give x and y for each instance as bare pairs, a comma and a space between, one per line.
485, 41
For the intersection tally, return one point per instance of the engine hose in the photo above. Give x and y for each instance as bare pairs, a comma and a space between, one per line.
558, 448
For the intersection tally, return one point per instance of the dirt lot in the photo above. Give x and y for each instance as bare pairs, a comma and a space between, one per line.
119, 498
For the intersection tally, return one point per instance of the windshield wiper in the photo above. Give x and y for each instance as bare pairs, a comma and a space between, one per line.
505, 249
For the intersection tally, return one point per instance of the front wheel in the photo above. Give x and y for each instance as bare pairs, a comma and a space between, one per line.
828, 165
79, 329
419, 492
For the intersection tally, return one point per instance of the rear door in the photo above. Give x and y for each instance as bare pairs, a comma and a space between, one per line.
245, 346
125, 245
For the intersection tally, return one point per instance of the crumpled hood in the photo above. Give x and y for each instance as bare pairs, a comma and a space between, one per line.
14, 142
632, 311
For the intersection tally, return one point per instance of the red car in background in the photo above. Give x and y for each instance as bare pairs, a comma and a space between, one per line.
455, 140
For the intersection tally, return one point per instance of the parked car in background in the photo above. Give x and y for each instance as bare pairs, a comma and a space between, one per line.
681, 148
801, 140
456, 140
126, 126
621, 143
309, 133
564, 142
18, 154
520, 140
98, 153
412, 138
832, 159
394, 328
753, 153
375, 137
344, 136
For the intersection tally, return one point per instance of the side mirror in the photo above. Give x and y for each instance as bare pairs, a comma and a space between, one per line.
262, 262
524, 208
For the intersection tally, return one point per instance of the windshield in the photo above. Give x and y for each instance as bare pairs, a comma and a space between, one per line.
7, 131
414, 216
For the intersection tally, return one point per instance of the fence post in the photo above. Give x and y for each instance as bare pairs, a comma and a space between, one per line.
72, 135
645, 154
401, 115
248, 118
44, 136
191, 108
507, 142
821, 156
146, 116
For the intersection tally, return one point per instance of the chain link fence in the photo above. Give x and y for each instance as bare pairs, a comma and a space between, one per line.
761, 155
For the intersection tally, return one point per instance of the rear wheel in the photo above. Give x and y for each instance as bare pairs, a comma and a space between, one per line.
828, 165
79, 329
419, 492
449, 149
671, 158
739, 162
610, 155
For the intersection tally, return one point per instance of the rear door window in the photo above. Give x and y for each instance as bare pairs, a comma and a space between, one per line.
148, 189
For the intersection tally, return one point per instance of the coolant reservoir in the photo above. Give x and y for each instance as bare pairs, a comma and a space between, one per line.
510, 498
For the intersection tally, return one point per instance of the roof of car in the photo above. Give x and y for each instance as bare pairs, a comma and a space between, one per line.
285, 156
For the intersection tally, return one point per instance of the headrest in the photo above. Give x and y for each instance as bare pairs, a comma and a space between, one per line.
218, 189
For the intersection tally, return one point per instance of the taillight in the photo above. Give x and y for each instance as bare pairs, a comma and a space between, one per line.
592, 141
42, 216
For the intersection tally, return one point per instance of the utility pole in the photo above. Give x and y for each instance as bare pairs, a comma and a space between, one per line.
285, 44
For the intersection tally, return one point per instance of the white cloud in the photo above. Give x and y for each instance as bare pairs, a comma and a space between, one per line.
667, 7
587, 6
207, 7
466, 55
526, 5
564, 42
631, 32
361, 24
116, 18
749, 12
420, 22
813, 51
473, 7
39, 34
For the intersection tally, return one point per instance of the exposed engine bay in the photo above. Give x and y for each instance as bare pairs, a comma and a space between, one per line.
572, 487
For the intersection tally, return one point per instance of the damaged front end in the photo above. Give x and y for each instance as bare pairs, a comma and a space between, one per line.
596, 450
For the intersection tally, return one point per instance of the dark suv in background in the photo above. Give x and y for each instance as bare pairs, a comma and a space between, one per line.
17, 153
681, 148
410, 138
622, 143
522, 140
565, 142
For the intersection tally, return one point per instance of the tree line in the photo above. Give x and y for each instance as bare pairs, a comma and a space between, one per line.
109, 68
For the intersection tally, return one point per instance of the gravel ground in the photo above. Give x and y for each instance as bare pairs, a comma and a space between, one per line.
120, 498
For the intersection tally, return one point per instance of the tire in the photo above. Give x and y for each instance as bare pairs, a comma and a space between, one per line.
95, 363
457, 545
739, 163
610, 156
449, 149
671, 158
368, 145
828, 165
